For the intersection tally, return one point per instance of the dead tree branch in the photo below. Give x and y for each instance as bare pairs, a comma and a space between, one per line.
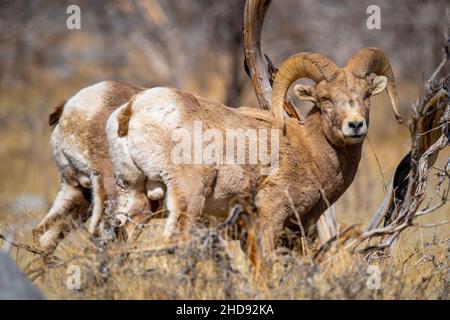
430, 133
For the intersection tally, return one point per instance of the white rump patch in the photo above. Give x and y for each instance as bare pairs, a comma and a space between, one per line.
160, 105
88, 100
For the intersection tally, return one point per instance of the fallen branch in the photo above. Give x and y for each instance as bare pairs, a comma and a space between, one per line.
28, 248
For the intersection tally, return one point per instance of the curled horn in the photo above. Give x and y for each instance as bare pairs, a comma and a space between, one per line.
301, 65
372, 60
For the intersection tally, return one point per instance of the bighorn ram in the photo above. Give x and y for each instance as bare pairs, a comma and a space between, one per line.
81, 153
317, 160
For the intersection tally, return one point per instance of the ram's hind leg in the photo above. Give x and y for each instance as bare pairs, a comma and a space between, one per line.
71, 205
98, 202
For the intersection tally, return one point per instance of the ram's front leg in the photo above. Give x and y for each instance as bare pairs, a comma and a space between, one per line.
187, 190
275, 207
185, 206
137, 214
272, 213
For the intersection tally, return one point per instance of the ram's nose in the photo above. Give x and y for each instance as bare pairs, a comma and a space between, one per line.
354, 127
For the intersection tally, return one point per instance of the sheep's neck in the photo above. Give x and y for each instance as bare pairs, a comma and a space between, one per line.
336, 166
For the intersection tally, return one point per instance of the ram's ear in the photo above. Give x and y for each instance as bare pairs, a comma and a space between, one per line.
305, 92
378, 84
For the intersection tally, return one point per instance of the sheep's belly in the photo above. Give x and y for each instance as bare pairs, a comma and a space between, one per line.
217, 208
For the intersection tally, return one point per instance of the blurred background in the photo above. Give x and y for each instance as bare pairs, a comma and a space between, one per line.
195, 45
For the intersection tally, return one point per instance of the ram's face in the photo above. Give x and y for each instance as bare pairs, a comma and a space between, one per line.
344, 103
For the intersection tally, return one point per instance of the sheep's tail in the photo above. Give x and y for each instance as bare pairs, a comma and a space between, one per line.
54, 117
123, 119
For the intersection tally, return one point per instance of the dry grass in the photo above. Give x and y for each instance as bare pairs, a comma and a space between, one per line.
207, 267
